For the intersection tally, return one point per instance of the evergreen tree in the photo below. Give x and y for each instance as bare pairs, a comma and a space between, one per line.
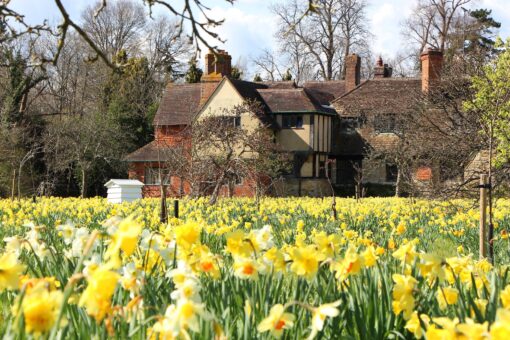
257, 78
236, 73
482, 35
194, 73
287, 76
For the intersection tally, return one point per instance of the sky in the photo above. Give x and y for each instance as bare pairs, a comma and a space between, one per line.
249, 25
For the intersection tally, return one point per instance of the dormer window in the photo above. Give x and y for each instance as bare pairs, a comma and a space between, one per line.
292, 121
385, 123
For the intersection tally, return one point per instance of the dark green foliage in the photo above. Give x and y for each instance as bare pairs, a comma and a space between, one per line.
194, 73
287, 76
483, 37
236, 73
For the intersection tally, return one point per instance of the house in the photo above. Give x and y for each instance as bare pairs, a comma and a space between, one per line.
327, 126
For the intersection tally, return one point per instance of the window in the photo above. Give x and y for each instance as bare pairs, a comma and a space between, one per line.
322, 169
292, 121
385, 123
237, 121
391, 173
234, 121
351, 122
152, 176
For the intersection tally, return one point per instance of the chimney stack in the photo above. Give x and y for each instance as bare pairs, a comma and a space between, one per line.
352, 72
217, 66
382, 70
431, 66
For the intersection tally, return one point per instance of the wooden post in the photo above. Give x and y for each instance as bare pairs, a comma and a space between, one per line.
176, 208
483, 216
163, 218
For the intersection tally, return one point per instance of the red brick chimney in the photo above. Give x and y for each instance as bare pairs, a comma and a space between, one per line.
216, 67
431, 66
352, 72
382, 70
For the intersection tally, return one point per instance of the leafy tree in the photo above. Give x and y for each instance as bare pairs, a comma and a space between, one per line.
194, 73
492, 101
257, 77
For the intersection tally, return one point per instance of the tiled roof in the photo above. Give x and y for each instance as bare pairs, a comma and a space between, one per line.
384, 95
155, 151
291, 100
325, 91
279, 84
179, 103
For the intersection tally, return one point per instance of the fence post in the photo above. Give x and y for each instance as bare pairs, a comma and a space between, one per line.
483, 216
176, 208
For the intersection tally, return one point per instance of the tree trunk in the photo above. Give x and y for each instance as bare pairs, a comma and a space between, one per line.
397, 184
83, 183
19, 181
217, 186
13, 187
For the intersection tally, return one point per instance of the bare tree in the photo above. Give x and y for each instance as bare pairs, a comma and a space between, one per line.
432, 22
116, 27
336, 28
80, 143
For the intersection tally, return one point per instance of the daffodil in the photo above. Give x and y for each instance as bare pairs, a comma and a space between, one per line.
10, 271
447, 296
500, 330
97, 296
305, 261
403, 300
277, 321
505, 297
40, 308
319, 315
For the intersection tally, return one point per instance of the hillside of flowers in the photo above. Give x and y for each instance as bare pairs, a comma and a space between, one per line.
279, 268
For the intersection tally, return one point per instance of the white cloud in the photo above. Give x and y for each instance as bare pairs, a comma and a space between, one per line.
246, 31
250, 26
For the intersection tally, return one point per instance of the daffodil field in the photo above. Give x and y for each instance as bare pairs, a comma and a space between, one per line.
383, 269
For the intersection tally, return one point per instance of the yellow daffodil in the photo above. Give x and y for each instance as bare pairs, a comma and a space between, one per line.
446, 296
414, 325
40, 308
403, 300
505, 297
97, 296
10, 271
500, 330
305, 261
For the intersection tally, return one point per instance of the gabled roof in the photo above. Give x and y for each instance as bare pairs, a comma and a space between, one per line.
381, 95
155, 151
325, 91
179, 103
291, 84
291, 100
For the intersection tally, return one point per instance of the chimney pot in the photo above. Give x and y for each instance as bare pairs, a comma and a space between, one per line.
382, 70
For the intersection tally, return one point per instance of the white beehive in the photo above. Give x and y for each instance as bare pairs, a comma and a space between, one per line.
123, 190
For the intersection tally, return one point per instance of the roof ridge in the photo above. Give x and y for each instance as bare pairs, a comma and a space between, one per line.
351, 91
